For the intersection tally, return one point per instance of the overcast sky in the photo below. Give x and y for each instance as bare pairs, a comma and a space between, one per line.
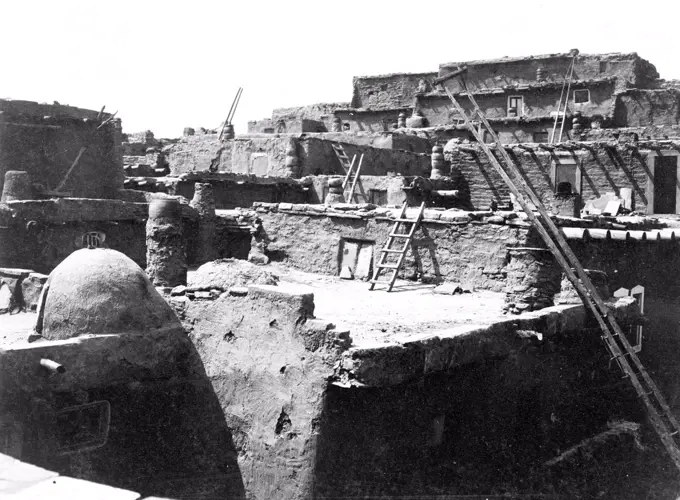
165, 65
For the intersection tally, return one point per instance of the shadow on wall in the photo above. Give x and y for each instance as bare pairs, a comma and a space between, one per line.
166, 437
489, 429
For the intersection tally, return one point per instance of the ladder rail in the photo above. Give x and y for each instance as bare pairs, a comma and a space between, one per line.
349, 172
356, 179
582, 283
395, 267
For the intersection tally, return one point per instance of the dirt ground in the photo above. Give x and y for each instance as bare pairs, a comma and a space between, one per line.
373, 317
16, 327
376, 317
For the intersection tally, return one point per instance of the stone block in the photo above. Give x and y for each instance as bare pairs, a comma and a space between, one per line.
31, 287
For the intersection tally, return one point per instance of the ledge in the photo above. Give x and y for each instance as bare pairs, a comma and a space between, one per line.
410, 357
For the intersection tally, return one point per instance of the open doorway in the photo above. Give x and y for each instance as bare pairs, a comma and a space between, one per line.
665, 184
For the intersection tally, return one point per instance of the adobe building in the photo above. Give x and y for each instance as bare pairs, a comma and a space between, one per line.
482, 374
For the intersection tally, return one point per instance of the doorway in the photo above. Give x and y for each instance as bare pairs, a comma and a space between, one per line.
665, 184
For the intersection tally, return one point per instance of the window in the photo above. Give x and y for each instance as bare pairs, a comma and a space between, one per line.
566, 176
581, 96
377, 196
345, 127
541, 136
603, 66
515, 105
268, 130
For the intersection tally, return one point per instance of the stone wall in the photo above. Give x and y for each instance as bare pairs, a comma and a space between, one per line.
603, 170
44, 140
469, 247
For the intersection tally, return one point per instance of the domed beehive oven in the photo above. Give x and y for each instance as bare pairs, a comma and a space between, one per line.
101, 291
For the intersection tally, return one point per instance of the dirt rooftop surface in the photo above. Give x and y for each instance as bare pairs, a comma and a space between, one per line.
373, 317
377, 317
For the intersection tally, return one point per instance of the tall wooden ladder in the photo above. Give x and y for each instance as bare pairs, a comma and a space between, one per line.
386, 261
562, 113
351, 174
660, 415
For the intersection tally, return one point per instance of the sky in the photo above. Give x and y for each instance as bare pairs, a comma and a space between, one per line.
166, 65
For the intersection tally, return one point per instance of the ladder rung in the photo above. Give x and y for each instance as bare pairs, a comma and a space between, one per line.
399, 235
391, 250
406, 220
389, 266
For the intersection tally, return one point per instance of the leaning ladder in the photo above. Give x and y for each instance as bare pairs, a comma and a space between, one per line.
350, 172
620, 349
408, 225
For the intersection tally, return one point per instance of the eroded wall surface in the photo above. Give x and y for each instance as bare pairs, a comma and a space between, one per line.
465, 248
268, 361
602, 169
45, 140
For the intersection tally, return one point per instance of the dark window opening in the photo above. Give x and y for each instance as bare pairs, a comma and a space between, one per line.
268, 130
377, 196
541, 136
581, 96
603, 66
345, 127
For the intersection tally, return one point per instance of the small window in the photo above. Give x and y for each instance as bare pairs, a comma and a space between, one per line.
268, 130
581, 96
345, 127
603, 66
566, 176
541, 136
377, 196
515, 105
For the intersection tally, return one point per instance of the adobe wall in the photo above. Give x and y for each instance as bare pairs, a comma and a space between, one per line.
39, 234
266, 155
374, 120
643, 108
489, 427
268, 361
603, 170
452, 245
629, 69
387, 91
166, 435
439, 110
391, 185
196, 153
44, 140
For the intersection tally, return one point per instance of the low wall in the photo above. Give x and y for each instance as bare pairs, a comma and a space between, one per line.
268, 360
38, 234
452, 245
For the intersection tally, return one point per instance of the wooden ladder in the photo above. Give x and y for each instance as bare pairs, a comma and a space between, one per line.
350, 172
389, 250
620, 349
563, 112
